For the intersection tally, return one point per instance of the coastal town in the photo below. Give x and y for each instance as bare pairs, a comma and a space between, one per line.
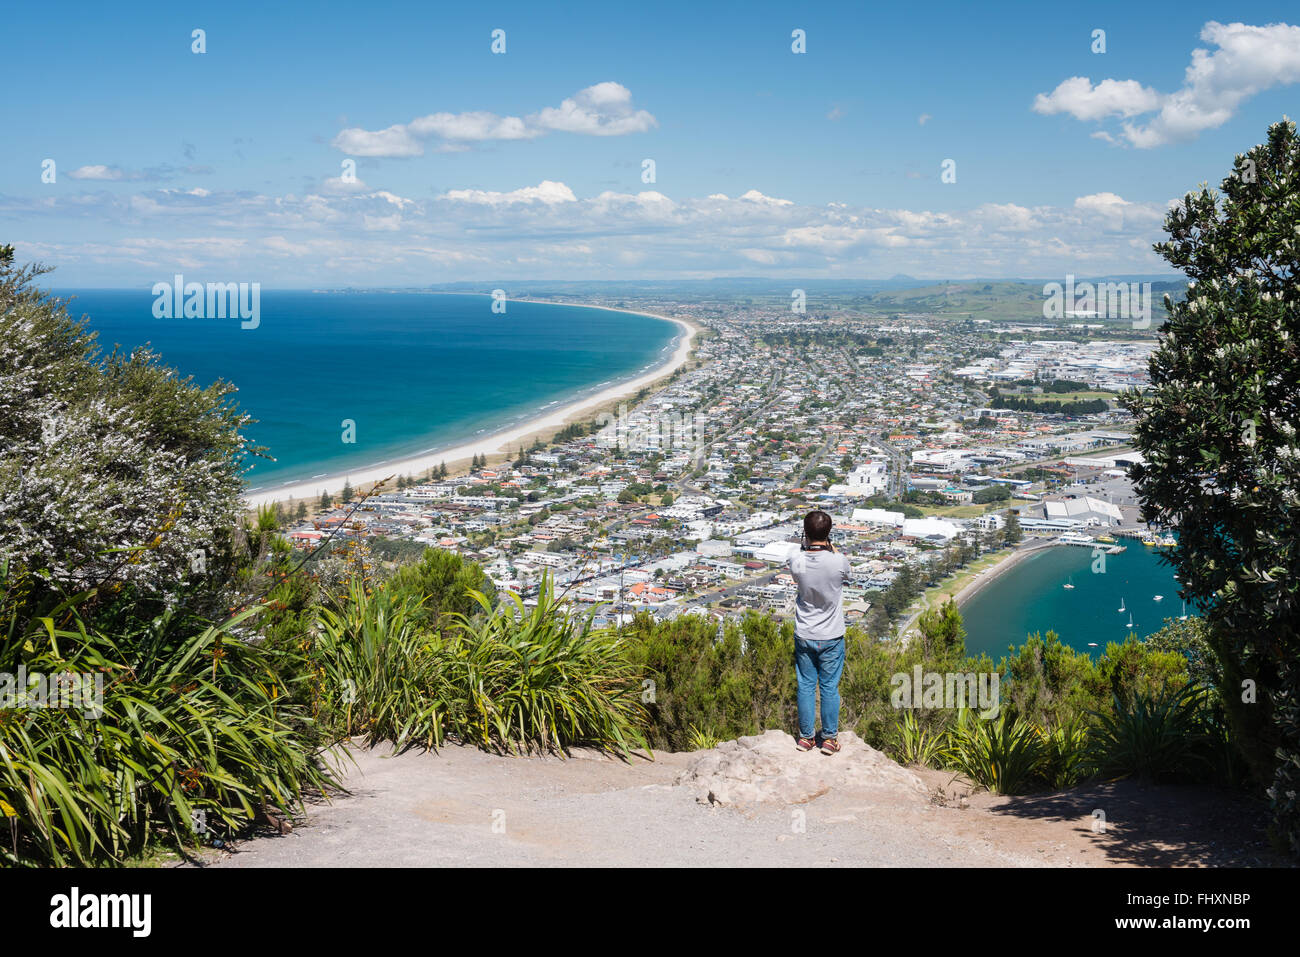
931, 441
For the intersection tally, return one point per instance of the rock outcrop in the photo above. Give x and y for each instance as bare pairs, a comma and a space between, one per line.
768, 768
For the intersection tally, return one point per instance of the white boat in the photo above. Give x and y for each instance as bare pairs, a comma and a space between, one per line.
1092, 644
1183, 616
1070, 583
1076, 538
1130, 620
1122, 609
1158, 598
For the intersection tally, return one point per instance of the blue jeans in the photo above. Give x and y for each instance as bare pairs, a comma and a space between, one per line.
819, 663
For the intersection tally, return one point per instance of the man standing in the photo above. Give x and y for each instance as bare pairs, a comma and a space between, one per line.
820, 573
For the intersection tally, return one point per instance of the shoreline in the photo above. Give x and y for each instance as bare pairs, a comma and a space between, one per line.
976, 584
993, 572
543, 425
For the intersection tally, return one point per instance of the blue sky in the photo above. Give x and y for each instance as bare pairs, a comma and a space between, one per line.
469, 165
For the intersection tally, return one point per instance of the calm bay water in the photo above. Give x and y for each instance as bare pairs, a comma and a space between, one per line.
414, 371
1031, 598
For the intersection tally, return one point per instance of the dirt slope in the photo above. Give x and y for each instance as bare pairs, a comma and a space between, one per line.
465, 807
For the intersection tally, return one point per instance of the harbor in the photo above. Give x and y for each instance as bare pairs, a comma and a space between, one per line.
1087, 603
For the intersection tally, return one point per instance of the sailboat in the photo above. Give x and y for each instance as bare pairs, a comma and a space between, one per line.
1122, 609
1183, 616
1130, 621
1070, 583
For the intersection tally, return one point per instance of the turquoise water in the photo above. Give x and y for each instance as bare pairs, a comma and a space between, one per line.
415, 372
1030, 597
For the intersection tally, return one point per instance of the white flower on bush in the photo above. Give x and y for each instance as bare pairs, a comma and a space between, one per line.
105, 455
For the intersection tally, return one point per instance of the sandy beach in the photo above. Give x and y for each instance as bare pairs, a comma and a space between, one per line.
498, 443
1005, 565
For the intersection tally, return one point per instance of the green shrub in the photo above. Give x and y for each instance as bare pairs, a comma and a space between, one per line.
376, 673
735, 683
523, 679
1004, 755
195, 729
914, 744
115, 468
697, 740
1217, 430
1048, 683
867, 686
1065, 750
1188, 638
1160, 736
1135, 666
441, 583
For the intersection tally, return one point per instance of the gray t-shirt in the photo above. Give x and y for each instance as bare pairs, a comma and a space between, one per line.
819, 609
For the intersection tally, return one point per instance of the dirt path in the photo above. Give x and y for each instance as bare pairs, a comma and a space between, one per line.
465, 807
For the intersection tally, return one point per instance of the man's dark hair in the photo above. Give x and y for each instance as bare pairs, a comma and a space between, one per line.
817, 526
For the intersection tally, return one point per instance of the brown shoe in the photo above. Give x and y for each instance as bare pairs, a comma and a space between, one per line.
805, 744
830, 746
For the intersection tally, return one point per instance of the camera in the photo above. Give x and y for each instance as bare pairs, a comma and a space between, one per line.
805, 547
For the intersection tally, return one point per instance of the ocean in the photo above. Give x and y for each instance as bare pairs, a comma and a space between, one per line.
415, 372
1031, 597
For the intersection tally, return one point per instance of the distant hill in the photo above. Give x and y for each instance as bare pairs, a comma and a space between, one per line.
994, 300
753, 285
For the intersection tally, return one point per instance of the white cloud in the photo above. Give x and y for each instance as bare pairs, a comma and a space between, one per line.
1008, 216
919, 222
924, 118
1107, 209
400, 202
472, 126
754, 196
117, 174
1102, 203
1078, 97
382, 237
826, 238
337, 184
1248, 60
604, 109
391, 223
97, 172
601, 110
394, 141
547, 191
